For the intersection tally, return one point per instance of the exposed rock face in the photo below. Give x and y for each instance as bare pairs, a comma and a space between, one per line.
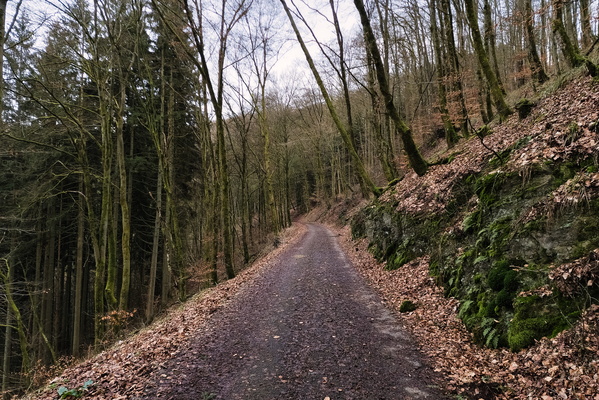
496, 228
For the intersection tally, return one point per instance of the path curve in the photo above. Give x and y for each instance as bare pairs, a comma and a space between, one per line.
306, 328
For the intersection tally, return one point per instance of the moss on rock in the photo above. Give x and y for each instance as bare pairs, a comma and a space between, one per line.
485, 249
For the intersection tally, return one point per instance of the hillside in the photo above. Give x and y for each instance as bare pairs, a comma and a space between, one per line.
508, 229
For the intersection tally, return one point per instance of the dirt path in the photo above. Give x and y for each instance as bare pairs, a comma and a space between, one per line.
307, 328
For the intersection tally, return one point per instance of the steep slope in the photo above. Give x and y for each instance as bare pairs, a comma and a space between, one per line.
509, 228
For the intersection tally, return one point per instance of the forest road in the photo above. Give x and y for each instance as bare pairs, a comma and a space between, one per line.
307, 328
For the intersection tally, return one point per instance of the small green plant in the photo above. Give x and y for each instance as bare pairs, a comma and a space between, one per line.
66, 393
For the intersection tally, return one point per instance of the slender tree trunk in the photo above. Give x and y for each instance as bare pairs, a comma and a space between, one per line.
491, 39
245, 211
380, 129
483, 59
123, 202
37, 297
268, 168
49, 271
418, 164
155, 250
77, 312
569, 48
105, 257
357, 161
16, 315
2, 41
451, 136
453, 61
538, 71
341, 70
110, 240
585, 23
7, 351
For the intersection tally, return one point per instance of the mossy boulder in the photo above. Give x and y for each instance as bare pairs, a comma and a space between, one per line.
536, 317
407, 306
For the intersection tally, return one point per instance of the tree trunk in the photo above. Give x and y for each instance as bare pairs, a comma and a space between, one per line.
418, 164
16, 315
536, 66
483, 59
585, 24
380, 129
7, 351
491, 39
77, 312
451, 136
49, 271
155, 250
2, 41
569, 48
357, 161
446, 21
123, 201
275, 225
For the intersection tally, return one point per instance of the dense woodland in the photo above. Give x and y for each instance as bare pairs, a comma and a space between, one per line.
153, 147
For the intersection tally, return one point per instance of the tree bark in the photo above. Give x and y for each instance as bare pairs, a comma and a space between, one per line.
569, 48
155, 250
494, 86
16, 314
491, 39
357, 161
446, 21
2, 41
123, 201
418, 164
77, 312
451, 136
536, 66
585, 22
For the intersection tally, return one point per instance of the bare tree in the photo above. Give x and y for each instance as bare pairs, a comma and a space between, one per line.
345, 135
417, 163
483, 59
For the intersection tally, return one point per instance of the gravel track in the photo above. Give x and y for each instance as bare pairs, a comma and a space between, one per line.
307, 327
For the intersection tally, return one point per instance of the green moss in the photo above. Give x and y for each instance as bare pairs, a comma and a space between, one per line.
505, 299
537, 317
497, 275
407, 306
524, 333
510, 281
474, 264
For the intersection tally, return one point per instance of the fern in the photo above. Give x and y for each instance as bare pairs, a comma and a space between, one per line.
465, 307
490, 332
